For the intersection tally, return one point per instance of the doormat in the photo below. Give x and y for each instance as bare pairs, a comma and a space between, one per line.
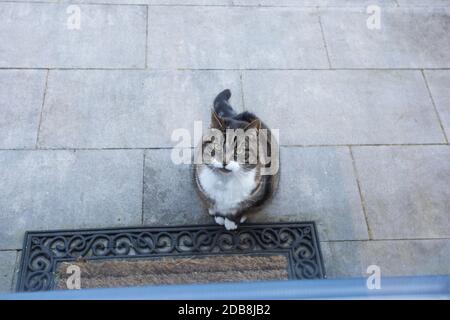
169, 255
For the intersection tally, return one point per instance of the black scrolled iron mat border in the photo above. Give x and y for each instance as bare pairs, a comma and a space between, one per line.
43, 250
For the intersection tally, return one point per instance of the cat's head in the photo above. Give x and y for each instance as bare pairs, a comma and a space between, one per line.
232, 144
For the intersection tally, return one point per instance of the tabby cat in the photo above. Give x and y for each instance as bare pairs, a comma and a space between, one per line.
234, 183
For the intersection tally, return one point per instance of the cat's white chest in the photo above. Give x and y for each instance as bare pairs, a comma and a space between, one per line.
227, 190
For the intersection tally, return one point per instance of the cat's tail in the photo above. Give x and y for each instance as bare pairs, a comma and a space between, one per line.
222, 106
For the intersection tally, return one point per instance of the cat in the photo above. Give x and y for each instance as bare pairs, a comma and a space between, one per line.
233, 189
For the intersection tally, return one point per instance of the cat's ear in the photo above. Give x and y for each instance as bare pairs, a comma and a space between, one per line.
216, 121
255, 124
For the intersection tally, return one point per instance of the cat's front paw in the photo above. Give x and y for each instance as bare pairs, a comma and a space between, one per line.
219, 220
230, 225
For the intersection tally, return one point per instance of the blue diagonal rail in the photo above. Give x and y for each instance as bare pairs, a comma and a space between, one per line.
419, 287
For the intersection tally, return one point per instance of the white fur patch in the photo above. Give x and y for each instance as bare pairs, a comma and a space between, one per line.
227, 190
233, 166
230, 225
216, 164
220, 220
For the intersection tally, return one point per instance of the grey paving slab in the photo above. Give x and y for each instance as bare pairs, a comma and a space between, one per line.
44, 190
318, 184
169, 194
239, 37
407, 38
439, 83
395, 258
162, 2
424, 3
189, 2
156, 2
344, 107
31, 1
314, 3
406, 190
7, 266
36, 35
21, 96
128, 109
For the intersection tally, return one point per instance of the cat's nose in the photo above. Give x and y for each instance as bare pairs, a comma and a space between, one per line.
225, 162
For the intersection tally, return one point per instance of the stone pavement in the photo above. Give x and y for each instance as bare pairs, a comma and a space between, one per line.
364, 116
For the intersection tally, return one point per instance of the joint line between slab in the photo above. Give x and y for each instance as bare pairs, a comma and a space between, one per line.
232, 4
434, 106
387, 239
172, 147
42, 109
15, 271
146, 39
143, 187
361, 197
324, 42
241, 81
92, 3
221, 69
